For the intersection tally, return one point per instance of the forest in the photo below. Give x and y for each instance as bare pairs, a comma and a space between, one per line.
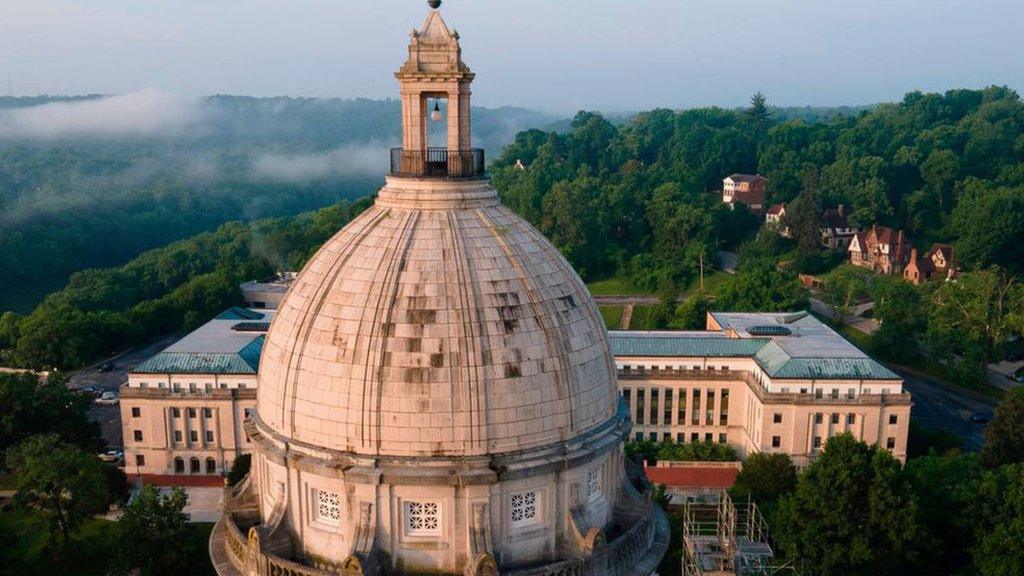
91, 182
639, 199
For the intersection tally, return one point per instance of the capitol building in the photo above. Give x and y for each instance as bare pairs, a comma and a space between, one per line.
436, 392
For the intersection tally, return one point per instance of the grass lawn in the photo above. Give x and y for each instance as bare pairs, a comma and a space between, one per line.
615, 286
612, 316
641, 319
91, 551
713, 284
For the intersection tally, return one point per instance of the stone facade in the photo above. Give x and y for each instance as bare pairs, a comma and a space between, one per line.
436, 394
731, 397
881, 249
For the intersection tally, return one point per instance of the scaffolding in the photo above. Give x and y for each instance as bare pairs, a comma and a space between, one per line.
721, 539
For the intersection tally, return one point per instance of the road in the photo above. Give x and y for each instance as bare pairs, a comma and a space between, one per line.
943, 407
109, 416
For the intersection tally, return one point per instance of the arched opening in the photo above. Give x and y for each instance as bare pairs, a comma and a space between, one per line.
193, 466
211, 466
179, 466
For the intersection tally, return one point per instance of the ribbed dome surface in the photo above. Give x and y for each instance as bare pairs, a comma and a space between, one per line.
436, 323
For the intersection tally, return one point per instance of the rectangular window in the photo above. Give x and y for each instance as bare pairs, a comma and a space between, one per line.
208, 386
136, 412
892, 419
776, 441
777, 418
177, 435
654, 407
193, 435
639, 436
680, 438
176, 386
328, 507
653, 436
667, 416
192, 387
241, 386
523, 508
209, 436
424, 518
721, 438
191, 412
175, 412
207, 412
890, 442
627, 396
835, 393
709, 411
851, 393
707, 436
137, 434
818, 393
695, 420
723, 414
851, 418
593, 482
140, 460
639, 420
835, 418
817, 441
681, 408
817, 418
694, 437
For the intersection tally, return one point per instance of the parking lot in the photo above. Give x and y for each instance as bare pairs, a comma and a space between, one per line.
109, 415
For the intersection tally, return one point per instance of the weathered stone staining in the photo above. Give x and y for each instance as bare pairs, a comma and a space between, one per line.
436, 392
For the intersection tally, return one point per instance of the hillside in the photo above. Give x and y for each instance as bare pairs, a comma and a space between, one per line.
93, 181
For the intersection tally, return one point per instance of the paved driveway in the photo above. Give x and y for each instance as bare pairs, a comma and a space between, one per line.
939, 407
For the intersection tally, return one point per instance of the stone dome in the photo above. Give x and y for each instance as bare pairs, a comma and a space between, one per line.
437, 323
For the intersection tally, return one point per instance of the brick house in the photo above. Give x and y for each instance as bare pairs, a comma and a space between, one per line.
937, 262
746, 189
881, 249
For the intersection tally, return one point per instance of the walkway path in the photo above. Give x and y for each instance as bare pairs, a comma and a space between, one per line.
627, 316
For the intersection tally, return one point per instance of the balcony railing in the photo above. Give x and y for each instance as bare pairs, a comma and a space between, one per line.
437, 162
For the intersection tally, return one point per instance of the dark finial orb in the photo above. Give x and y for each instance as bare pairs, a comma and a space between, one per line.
435, 4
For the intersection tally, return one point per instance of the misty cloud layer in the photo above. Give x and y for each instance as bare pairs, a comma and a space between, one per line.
137, 114
369, 160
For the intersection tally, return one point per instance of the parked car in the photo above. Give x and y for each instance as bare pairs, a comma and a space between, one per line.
108, 398
112, 456
89, 391
1019, 375
107, 366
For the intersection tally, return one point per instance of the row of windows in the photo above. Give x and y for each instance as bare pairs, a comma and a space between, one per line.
680, 437
193, 436
192, 387
424, 518
819, 418
669, 402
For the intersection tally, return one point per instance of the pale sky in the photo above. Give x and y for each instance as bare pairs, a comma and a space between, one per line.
551, 55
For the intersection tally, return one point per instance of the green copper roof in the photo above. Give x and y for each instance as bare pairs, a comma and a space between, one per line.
778, 364
245, 361
662, 345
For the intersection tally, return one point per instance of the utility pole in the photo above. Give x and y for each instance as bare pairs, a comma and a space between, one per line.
702, 269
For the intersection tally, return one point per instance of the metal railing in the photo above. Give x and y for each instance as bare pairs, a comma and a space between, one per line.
438, 162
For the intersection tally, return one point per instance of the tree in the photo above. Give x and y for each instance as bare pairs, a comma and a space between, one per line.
239, 469
1004, 436
760, 286
968, 320
766, 477
946, 486
997, 516
843, 289
803, 218
852, 513
900, 315
30, 406
692, 313
758, 111
60, 479
150, 522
